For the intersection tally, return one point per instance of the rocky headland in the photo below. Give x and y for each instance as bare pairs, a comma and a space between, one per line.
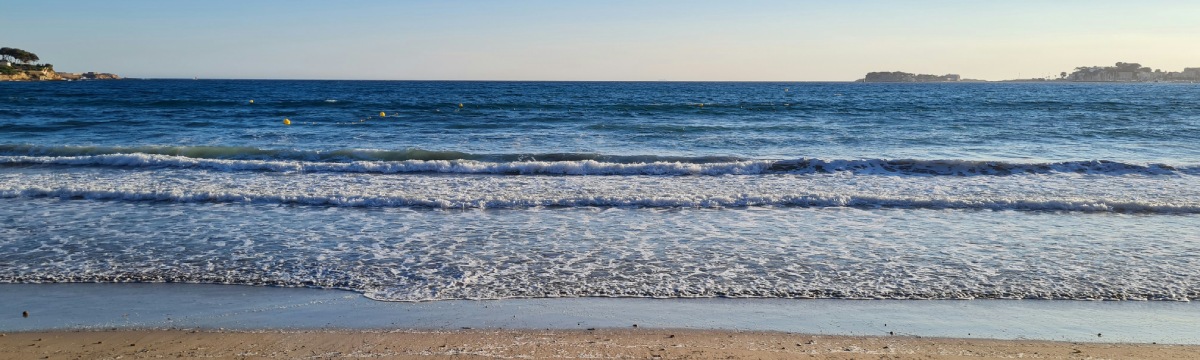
49, 74
18, 65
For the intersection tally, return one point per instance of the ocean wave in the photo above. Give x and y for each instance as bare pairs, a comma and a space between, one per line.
338, 155
451, 162
976, 167
813, 200
579, 167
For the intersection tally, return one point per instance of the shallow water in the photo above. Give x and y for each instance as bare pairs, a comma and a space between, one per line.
73, 307
423, 254
777, 190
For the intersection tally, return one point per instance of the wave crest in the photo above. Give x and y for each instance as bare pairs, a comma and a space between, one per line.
452, 162
813, 200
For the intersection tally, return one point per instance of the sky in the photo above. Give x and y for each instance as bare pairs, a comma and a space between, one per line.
646, 40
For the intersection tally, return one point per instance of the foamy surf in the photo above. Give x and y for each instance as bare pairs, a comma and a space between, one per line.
613, 165
1036, 192
581, 167
789, 200
407, 254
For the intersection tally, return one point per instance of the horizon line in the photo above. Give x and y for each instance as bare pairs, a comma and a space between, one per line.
511, 80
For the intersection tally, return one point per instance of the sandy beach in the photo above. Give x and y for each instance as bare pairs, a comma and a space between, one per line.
145, 321
563, 344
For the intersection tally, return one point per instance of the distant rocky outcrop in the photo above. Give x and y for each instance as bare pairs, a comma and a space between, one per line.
88, 76
29, 75
48, 74
898, 76
100, 76
51, 75
22, 68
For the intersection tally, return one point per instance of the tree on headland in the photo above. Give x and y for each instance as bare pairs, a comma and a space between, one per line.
1129, 67
900, 76
19, 55
1131, 72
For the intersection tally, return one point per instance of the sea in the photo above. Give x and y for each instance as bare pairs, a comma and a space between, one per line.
443, 190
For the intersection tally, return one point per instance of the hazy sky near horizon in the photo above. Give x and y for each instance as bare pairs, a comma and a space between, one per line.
600, 40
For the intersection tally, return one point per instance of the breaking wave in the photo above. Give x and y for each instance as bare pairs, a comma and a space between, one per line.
812, 200
453, 162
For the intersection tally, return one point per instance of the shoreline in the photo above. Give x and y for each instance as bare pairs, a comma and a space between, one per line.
159, 306
782, 82
623, 343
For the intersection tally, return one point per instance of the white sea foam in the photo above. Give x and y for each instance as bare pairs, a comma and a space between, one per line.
581, 167
405, 254
800, 200
1058, 192
594, 167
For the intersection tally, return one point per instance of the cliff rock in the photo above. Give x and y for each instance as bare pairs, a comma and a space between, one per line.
32, 75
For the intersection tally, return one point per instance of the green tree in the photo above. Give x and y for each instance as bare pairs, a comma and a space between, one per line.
1129, 67
18, 55
27, 57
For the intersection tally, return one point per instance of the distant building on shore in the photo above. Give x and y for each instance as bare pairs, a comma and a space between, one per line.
1130, 72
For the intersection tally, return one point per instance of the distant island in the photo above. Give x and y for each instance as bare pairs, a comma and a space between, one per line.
1130, 72
899, 76
1121, 72
19, 65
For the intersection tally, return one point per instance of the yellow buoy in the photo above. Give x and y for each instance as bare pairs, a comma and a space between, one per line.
460, 105
251, 101
287, 122
382, 114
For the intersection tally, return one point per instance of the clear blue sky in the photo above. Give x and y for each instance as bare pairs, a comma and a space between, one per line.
599, 40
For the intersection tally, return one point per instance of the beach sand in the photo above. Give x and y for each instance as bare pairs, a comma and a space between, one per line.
142, 321
563, 344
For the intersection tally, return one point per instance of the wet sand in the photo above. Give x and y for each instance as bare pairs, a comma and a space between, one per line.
134, 321
563, 344
92, 307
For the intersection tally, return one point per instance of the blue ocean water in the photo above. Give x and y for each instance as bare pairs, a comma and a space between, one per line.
479, 190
